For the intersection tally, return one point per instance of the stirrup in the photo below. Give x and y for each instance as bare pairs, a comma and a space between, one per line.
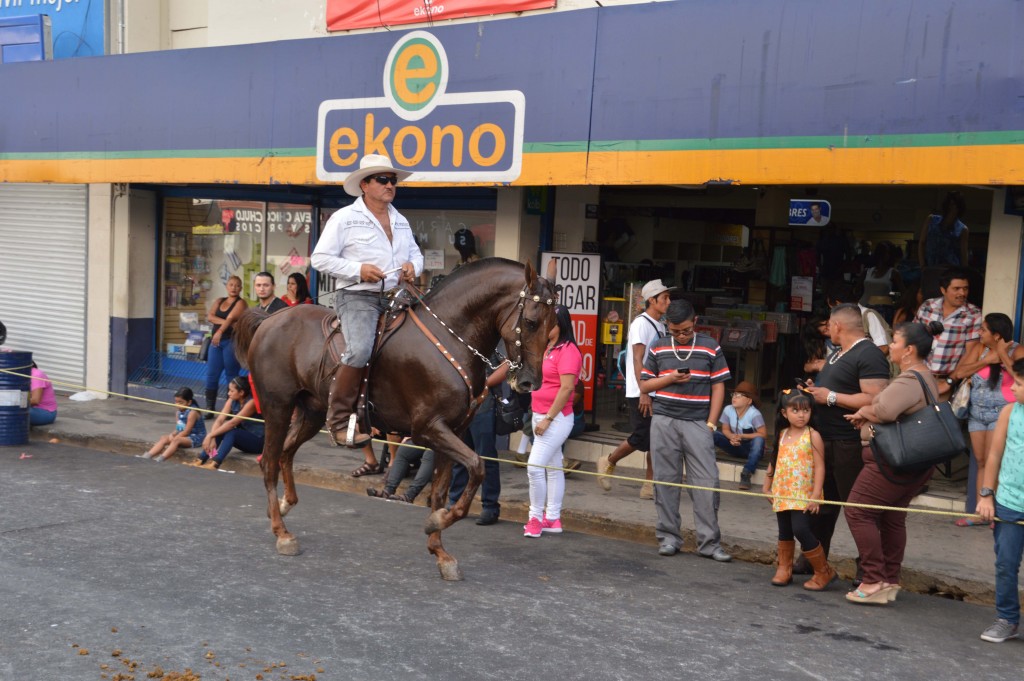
350, 440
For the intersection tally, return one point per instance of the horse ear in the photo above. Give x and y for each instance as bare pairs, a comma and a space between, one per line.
531, 275
552, 272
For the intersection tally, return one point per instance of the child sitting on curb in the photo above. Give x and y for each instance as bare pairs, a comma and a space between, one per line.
743, 430
188, 432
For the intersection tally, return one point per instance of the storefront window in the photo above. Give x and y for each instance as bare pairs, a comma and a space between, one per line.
207, 241
288, 247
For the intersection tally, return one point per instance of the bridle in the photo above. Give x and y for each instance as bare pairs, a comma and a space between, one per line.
514, 366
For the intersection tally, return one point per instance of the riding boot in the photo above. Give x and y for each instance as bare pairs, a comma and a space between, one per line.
824, 574
342, 421
784, 571
211, 404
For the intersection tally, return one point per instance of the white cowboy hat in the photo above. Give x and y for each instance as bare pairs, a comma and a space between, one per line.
371, 164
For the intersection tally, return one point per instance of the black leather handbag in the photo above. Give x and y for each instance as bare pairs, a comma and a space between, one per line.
916, 442
510, 415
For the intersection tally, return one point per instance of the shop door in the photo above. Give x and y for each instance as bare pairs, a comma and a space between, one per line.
42, 275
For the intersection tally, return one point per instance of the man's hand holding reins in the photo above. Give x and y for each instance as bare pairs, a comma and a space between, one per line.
370, 272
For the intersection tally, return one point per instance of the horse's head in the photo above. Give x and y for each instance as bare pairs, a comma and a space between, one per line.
527, 338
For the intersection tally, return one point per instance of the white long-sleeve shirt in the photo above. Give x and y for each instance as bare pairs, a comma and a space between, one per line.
353, 236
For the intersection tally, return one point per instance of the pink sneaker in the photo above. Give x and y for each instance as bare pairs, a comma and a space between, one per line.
552, 526
532, 528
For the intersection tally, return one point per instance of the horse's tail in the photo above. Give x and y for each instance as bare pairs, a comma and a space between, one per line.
243, 331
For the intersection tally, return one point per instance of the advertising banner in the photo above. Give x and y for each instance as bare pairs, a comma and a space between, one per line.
343, 15
578, 278
75, 25
812, 213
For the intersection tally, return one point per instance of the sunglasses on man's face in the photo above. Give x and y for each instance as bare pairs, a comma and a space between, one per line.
384, 179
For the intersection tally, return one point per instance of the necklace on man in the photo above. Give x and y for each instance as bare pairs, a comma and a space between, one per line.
839, 353
693, 344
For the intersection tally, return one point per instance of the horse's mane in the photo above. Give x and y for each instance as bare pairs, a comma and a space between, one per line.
467, 270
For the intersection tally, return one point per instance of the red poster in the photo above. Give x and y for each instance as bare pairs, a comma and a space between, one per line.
343, 15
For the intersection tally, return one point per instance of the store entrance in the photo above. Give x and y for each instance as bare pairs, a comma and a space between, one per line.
757, 277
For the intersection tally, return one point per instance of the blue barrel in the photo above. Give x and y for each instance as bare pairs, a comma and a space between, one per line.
14, 394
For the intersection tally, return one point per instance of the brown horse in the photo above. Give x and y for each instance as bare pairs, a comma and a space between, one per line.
413, 388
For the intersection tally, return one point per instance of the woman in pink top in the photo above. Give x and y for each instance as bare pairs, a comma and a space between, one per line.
552, 423
988, 365
42, 400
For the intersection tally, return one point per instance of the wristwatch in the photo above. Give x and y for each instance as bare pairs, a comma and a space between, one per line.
985, 492
712, 426
831, 399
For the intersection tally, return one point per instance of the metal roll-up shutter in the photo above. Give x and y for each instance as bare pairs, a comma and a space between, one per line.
42, 275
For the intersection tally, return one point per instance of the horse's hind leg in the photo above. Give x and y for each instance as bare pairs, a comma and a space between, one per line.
303, 427
276, 421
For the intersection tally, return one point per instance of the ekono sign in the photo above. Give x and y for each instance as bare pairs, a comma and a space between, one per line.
437, 135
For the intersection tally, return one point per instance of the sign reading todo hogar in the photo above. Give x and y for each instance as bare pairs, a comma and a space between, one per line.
438, 135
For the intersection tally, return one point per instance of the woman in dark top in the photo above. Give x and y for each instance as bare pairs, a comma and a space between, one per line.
221, 358
298, 290
816, 344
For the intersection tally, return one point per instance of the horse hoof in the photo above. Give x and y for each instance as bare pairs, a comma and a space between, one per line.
435, 522
285, 507
450, 572
288, 546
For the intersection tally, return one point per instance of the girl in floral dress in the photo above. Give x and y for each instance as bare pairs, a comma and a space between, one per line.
794, 480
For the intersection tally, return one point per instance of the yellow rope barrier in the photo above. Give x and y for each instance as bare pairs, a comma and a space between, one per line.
623, 478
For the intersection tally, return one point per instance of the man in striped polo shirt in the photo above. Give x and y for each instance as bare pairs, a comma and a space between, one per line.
685, 373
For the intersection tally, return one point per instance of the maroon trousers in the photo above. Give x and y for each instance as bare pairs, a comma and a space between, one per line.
881, 536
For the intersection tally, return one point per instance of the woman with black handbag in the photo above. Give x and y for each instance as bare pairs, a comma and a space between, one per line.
881, 536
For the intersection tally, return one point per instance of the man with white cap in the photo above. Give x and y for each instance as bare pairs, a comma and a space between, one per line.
646, 328
362, 245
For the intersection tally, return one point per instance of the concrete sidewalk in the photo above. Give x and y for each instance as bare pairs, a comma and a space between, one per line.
940, 559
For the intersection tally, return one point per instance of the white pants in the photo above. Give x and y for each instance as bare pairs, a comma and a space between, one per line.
547, 487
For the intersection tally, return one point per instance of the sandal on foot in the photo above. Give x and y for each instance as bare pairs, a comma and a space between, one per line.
378, 493
968, 522
404, 498
366, 469
880, 597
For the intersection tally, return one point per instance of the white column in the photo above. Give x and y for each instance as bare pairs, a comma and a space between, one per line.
98, 281
1002, 269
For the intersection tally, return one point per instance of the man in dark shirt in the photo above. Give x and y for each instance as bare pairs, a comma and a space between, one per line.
263, 284
688, 371
850, 379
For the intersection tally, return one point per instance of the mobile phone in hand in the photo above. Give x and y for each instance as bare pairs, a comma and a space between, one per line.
682, 371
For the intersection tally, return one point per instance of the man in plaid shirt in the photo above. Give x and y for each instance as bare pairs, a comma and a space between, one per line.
962, 322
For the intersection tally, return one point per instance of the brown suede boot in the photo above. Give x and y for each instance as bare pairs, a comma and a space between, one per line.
347, 383
784, 571
824, 574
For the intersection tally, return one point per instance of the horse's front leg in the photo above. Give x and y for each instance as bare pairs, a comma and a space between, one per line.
441, 518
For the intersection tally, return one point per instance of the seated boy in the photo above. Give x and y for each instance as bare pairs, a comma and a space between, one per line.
743, 430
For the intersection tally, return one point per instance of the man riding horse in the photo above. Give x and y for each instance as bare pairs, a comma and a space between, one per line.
362, 245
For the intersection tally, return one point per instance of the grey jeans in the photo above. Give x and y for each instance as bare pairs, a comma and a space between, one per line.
358, 312
675, 442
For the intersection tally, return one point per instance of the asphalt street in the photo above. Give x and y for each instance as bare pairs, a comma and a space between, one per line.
160, 566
